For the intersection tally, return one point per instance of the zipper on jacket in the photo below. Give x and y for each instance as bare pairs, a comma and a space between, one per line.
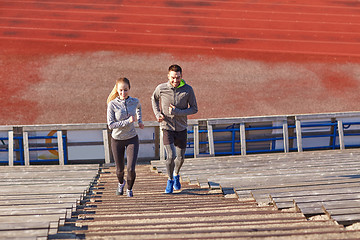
174, 105
127, 112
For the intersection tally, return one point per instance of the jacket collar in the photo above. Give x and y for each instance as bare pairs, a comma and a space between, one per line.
182, 83
123, 100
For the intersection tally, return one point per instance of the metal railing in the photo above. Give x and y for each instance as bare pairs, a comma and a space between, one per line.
292, 136
207, 137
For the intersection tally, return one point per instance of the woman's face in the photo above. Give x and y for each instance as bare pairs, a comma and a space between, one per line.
123, 90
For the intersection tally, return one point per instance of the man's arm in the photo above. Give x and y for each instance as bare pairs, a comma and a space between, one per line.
192, 109
155, 102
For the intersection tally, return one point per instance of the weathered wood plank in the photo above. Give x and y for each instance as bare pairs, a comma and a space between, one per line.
29, 212
68, 206
318, 192
24, 226
40, 194
285, 191
67, 176
6, 128
347, 219
44, 189
305, 179
343, 211
289, 194
313, 208
50, 168
246, 119
341, 204
316, 199
327, 115
253, 184
45, 182
55, 218
49, 127
39, 201
25, 234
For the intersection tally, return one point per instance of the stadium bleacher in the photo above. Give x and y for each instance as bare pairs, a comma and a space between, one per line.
294, 57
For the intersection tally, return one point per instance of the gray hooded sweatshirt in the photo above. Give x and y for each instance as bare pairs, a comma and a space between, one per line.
118, 114
182, 97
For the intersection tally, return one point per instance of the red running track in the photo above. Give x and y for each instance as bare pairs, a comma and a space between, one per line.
207, 25
285, 31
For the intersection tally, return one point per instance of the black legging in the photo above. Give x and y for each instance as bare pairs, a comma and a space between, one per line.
118, 149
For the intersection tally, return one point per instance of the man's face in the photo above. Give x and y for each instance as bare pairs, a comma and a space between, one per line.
174, 78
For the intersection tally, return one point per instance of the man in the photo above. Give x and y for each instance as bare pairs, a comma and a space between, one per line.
172, 102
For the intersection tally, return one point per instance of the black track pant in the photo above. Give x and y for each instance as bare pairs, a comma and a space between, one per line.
118, 149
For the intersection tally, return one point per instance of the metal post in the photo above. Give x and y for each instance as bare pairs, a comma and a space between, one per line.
11, 147
196, 140
341, 134
286, 136
60, 148
106, 145
162, 148
26, 148
242, 138
299, 136
211, 139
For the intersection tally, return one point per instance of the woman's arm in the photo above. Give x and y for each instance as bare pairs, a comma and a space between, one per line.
139, 115
111, 120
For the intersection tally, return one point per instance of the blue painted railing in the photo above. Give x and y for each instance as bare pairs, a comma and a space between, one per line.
316, 127
21, 159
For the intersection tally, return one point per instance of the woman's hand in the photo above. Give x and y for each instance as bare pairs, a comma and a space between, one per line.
160, 118
132, 119
141, 125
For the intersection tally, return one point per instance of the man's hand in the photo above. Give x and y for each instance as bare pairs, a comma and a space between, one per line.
160, 118
171, 108
141, 125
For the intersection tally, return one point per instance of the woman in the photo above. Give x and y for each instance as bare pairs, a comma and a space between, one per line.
122, 112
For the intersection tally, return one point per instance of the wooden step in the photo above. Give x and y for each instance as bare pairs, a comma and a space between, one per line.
193, 212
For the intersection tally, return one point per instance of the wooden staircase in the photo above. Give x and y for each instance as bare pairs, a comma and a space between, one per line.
36, 200
192, 213
314, 183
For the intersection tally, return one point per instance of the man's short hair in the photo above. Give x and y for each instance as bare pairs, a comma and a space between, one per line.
175, 68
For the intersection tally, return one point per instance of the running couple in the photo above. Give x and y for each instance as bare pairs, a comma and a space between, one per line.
171, 102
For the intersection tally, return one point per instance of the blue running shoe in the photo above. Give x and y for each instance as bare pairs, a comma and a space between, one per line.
169, 186
177, 184
129, 193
